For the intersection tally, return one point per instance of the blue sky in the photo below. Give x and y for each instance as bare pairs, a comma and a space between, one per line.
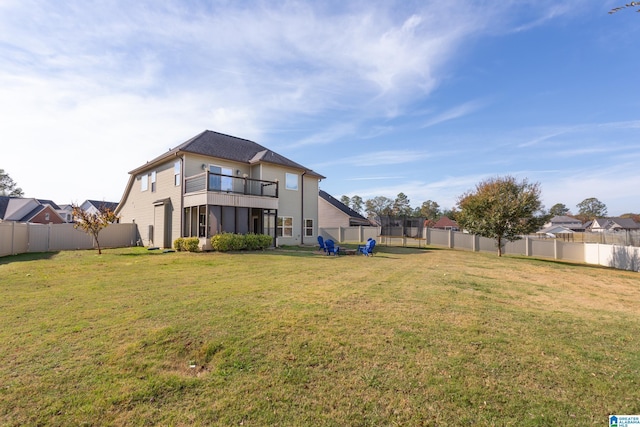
422, 97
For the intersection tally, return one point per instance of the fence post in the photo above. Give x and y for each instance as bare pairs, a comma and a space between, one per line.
527, 250
13, 236
555, 248
48, 238
451, 242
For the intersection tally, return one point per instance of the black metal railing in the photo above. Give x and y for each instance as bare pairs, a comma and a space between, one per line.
221, 183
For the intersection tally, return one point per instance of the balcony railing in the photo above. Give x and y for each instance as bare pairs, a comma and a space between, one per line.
220, 183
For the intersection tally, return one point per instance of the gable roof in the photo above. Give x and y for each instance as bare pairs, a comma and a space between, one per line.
11, 207
99, 204
341, 206
624, 223
445, 222
4, 202
219, 145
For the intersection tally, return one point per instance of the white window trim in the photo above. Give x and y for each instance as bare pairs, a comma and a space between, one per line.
176, 173
288, 180
282, 227
310, 229
144, 182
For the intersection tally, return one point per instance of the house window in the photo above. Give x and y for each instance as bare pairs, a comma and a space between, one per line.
218, 182
144, 182
153, 181
285, 226
308, 227
47, 216
176, 173
291, 181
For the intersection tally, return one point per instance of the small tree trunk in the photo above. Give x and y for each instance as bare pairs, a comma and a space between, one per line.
499, 246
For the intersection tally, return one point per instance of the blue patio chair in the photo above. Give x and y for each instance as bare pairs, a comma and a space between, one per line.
322, 246
367, 249
332, 249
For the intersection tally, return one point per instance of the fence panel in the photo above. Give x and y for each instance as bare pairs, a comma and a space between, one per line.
38, 237
487, 245
65, 238
118, 235
571, 251
17, 238
438, 237
351, 234
517, 247
543, 248
463, 241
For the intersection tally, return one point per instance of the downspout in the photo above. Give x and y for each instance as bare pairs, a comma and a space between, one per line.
302, 208
181, 193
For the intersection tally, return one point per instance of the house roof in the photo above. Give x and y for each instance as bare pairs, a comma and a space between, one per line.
445, 222
214, 144
48, 202
16, 203
341, 206
561, 219
625, 223
99, 204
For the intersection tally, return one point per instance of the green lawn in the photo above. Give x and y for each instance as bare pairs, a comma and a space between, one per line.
291, 337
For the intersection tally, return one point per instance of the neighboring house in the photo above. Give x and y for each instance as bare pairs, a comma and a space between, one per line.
66, 212
600, 225
555, 231
37, 211
96, 206
567, 222
216, 183
446, 223
333, 213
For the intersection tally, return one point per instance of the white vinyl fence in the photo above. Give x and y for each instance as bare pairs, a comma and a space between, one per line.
615, 256
17, 238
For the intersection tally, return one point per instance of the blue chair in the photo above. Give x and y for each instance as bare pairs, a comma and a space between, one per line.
323, 247
367, 249
332, 249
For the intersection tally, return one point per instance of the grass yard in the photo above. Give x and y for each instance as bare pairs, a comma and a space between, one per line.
290, 337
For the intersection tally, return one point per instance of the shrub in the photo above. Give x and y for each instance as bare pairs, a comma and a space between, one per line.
178, 244
192, 244
234, 242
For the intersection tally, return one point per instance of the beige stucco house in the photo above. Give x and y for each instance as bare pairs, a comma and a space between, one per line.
216, 183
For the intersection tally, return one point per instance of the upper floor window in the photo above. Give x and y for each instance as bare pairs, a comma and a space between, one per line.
291, 181
176, 173
144, 182
153, 181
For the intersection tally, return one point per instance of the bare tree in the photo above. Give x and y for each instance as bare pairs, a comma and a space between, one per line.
92, 223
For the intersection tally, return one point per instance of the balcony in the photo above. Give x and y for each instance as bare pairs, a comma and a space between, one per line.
226, 190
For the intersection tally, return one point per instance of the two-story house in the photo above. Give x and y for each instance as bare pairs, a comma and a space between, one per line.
216, 183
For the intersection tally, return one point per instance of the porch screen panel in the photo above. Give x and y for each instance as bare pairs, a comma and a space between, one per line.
215, 219
242, 220
228, 219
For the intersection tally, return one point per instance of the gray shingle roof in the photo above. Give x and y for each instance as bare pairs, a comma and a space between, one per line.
214, 144
341, 206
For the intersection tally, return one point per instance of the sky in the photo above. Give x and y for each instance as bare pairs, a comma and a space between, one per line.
428, 98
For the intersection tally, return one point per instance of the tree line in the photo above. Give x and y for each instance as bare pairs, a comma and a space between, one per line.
378, 206
501, 208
